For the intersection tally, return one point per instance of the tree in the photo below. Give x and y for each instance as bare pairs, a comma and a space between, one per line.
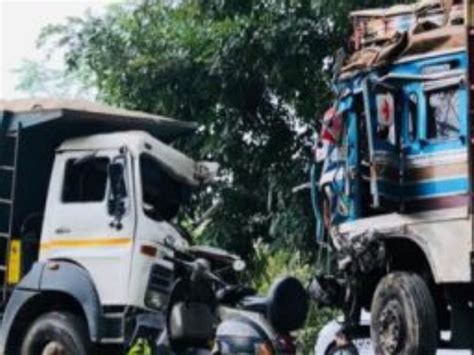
39, 79
251, 73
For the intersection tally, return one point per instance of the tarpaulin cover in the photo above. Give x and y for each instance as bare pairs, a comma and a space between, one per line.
405, 45
67, 117
375, 25
383, 36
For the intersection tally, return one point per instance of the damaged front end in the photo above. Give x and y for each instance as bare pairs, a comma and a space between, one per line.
357, 262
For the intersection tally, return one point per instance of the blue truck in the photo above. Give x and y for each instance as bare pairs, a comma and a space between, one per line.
392, 181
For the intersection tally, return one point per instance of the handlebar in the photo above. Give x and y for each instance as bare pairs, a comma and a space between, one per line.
198, 269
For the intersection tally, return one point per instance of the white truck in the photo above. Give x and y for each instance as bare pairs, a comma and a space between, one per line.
87, 196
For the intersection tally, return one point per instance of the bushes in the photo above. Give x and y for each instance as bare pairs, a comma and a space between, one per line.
273, 263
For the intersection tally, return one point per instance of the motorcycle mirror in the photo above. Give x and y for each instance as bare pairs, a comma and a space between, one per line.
288, 305
239, 265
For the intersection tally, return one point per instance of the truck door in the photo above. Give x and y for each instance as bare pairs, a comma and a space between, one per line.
436, 160
78, 222
383, 141
337, 177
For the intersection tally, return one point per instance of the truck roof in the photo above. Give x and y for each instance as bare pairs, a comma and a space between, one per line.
86, 117
177, 164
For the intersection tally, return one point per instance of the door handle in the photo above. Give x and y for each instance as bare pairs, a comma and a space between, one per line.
63, 230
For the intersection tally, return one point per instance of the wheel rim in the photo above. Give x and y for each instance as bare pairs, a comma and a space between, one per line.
54, 348
391, 331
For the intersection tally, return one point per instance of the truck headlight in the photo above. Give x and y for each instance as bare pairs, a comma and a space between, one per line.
159, 287
155, 299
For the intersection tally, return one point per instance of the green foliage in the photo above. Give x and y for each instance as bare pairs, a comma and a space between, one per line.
37, 79
272, 264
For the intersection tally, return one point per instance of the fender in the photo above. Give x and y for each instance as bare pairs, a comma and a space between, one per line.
444, 236
240, 331
240, 335
59, 277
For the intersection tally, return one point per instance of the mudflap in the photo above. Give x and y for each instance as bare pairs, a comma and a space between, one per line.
462, 317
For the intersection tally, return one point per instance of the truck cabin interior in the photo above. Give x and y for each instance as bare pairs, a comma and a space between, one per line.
162, 195
31, 131
399, 126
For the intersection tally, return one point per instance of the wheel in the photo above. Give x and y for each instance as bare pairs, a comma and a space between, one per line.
403, 316
57, 333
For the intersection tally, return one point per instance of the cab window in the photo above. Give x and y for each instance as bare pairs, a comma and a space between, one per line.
85, 180
386, 127
162, 195
443, 121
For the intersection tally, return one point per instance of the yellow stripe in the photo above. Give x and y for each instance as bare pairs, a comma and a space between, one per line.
85, 243
14, 262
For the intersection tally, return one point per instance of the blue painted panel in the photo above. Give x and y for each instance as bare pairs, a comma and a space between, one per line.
420, 145
424, 189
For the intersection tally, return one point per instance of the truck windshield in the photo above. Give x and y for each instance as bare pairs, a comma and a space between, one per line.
162, 195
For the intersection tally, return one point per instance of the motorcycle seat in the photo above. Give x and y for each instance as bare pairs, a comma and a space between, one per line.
258, 304
234, 295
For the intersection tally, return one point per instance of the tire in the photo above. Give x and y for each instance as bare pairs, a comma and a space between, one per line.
57, 333
404, 318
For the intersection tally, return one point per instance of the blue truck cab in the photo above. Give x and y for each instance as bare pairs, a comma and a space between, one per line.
404, 147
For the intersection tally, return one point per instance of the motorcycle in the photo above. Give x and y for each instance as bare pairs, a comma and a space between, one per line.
210, 313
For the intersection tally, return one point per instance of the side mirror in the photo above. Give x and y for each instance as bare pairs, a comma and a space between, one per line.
288, 305
118, 191
117, 180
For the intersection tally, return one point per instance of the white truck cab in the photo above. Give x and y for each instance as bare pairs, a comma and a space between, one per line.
105, 232
104, 200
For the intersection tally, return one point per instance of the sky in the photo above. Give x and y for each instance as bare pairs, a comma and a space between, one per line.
21, 22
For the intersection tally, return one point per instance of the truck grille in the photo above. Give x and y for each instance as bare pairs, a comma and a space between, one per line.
161, 279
